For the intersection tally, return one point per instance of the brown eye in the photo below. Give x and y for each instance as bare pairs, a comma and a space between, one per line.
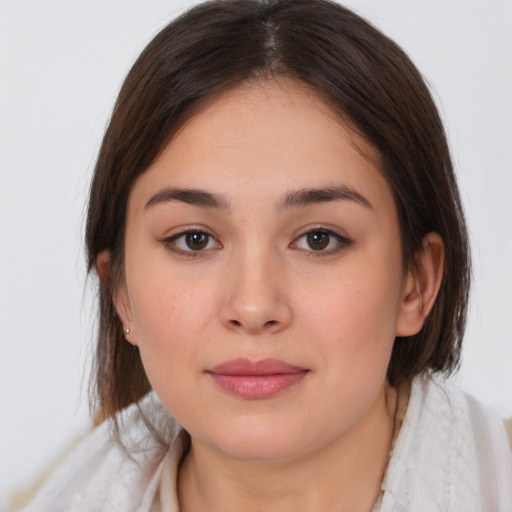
192, 243
321, 242
318, 240
197, 241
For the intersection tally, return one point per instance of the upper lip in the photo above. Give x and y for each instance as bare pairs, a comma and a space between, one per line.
242, 366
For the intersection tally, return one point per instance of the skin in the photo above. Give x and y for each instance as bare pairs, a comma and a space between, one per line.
259, 289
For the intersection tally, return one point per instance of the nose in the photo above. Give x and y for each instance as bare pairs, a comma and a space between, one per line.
256, 299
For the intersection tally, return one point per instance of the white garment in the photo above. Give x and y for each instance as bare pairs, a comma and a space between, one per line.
451, 455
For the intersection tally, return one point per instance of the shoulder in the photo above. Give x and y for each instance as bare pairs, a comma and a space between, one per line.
446, 408
101, 473
473, 419
451, 455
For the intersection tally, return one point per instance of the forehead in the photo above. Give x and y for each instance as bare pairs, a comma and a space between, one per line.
266, 136
256, 111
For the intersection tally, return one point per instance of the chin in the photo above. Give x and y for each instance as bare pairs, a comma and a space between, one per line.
260, 451
262, 443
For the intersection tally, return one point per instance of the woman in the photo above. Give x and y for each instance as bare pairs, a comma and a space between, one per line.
284, 272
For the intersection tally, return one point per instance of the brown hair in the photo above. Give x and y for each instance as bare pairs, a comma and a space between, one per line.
360, 73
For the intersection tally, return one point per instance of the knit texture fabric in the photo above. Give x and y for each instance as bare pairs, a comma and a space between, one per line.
450, 455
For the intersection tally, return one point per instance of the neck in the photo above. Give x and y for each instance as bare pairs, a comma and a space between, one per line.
345, 474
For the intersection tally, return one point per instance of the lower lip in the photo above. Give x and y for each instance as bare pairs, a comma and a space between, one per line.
258, 386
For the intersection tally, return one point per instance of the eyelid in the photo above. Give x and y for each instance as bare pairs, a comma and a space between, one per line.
343, 240
168, 241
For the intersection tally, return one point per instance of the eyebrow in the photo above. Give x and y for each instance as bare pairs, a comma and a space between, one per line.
309, 196
294, 199
192, 196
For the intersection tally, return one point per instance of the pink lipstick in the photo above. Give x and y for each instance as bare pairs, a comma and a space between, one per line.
256, 379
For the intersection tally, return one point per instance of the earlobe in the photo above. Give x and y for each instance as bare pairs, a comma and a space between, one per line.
120, 296
121, 303
123, 309
421, 286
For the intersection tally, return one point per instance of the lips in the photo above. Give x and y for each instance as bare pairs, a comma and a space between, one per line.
265, 378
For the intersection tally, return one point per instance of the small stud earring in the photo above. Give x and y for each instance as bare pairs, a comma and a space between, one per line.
127, 331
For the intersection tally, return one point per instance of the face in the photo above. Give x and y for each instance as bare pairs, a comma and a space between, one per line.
263, 275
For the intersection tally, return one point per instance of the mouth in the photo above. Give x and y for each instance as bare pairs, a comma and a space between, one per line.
265, 378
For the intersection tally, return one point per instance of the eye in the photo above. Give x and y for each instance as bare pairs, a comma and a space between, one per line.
322, 241
190, 242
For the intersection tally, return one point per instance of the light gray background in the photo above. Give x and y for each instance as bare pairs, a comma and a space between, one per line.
61, 65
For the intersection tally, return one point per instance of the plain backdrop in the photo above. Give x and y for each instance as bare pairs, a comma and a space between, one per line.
61, 65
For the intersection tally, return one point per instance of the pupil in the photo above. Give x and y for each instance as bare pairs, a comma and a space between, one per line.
318, 241
196, 241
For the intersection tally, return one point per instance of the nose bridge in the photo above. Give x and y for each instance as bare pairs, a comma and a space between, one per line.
256, 298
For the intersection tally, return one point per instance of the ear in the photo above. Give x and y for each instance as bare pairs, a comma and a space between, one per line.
421, 286
103, 265
120, 296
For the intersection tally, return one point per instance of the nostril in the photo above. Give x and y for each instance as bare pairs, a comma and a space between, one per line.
268, 324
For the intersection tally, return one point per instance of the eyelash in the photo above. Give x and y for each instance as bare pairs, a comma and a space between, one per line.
342, 243
170, 243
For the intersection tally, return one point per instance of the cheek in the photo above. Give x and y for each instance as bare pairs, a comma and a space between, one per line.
170, 313
353, 322
355, 308
170, 322
162, 296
